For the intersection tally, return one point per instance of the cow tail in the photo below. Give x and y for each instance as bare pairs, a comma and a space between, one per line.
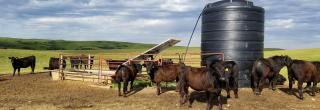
115, 76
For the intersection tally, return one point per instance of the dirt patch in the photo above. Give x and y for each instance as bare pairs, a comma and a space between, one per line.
38, 91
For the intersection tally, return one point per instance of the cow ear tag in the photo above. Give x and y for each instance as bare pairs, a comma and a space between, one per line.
227, 69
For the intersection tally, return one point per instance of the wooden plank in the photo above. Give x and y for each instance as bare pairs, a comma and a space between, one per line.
155, 50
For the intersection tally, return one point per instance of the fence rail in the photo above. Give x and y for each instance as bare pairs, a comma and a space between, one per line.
104, 65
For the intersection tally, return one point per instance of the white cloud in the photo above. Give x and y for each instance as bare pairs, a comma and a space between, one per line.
147, 21
281, 23
177, 5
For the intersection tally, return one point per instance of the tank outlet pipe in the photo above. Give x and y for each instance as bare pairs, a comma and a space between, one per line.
194, 28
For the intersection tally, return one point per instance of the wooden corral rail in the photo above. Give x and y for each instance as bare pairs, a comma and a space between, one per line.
104, 65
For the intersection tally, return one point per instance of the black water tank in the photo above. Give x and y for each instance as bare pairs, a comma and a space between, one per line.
235, 28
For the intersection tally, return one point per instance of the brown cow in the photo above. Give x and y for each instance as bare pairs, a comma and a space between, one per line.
303, 71
207, 79
164, 73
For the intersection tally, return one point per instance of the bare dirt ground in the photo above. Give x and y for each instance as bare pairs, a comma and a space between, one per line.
39, 92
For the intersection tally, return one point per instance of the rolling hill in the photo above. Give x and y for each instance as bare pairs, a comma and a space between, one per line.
43, 44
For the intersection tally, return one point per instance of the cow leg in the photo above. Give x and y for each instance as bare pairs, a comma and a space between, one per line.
177, 85
80, 65
209, 104
308, 85
261, 82
184, 95
219, 99
228, 92
314, 87
273, 82
270, 83
191, 100
300, 89
125, 87
119, 88
18, 71
32, 68
14, 71
256, 86
228, 88
290, 84
131, 85
158, 88
235, 88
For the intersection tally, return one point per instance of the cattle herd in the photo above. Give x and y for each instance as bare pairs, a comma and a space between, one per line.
215, 77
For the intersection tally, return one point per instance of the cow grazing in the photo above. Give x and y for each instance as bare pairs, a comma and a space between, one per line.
280, 80
25, 62
303, 71
126, 74
264, 69
207, 79
162, 73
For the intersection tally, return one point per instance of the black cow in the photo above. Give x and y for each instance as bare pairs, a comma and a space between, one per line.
231, 74
25, 62
54, 63
126, 73
264, 69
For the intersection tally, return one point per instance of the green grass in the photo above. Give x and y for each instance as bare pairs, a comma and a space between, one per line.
44, 55
43, 44
302, 54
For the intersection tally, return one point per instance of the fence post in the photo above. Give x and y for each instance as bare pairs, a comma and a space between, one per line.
61, 74
89, 62
100, 69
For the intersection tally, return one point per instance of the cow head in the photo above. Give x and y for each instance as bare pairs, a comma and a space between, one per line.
229, 68
149, 65
13, 59
288, 60
217, 68
138, 67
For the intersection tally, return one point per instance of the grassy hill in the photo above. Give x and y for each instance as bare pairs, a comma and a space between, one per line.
42, 44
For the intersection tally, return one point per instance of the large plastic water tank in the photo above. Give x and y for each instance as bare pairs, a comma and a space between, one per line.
235, 28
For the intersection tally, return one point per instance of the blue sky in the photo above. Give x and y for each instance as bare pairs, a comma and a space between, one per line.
290, 24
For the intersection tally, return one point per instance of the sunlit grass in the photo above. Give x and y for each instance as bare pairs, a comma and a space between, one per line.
43, 56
